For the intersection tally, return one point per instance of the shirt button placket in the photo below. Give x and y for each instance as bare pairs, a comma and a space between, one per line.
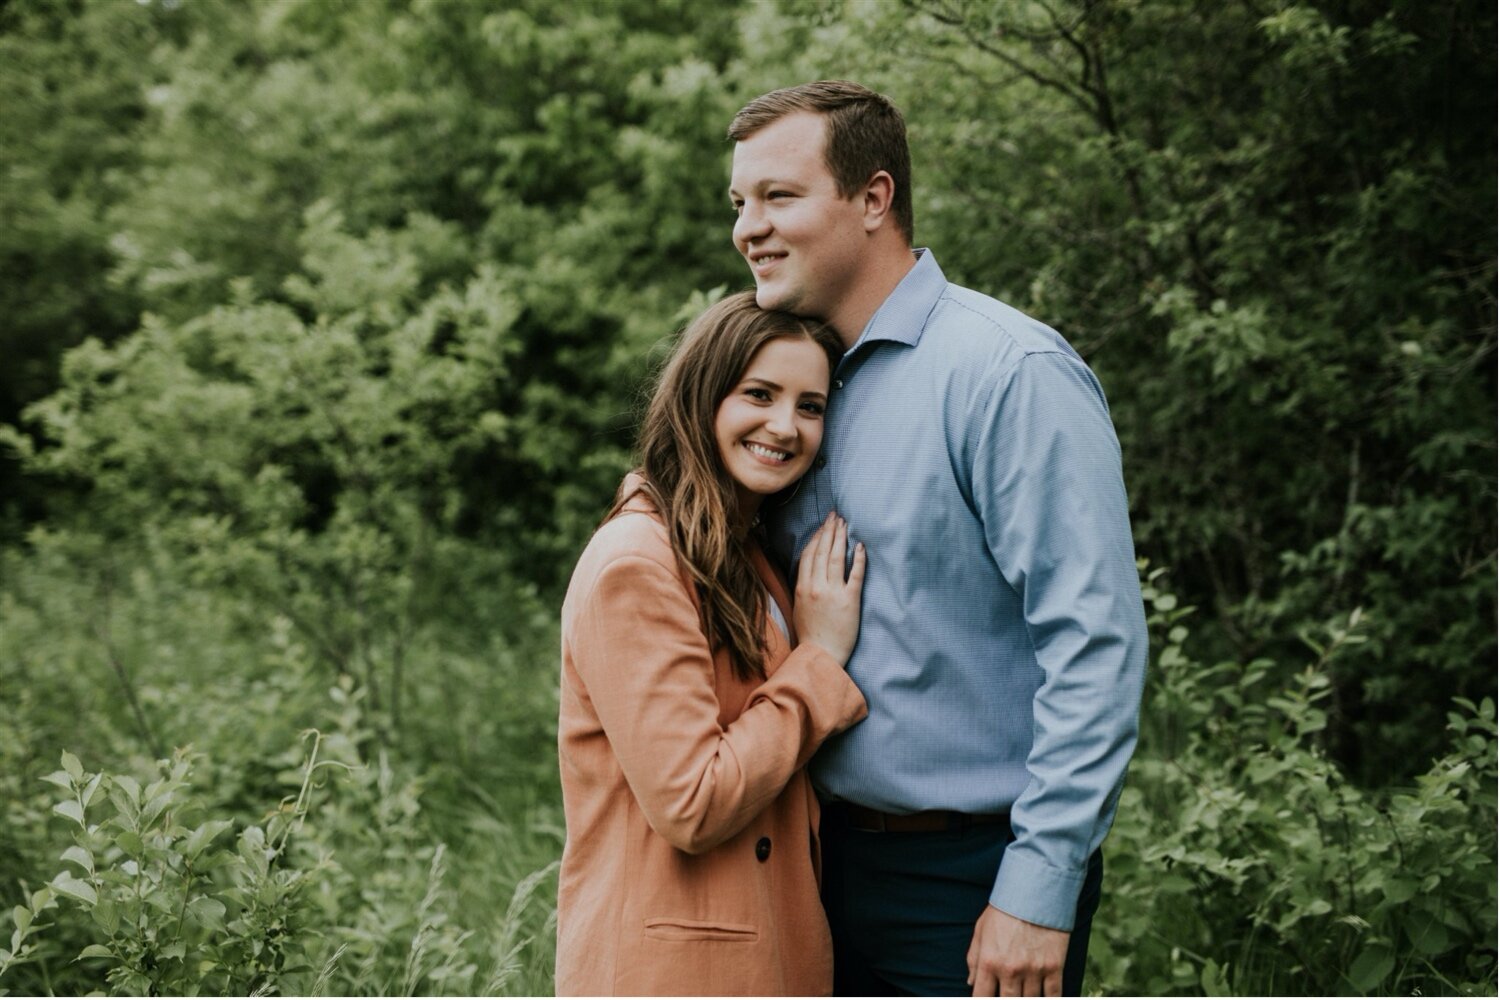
824, 488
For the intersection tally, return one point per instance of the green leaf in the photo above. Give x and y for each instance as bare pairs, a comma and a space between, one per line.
1427, 933
71, 809
80, 856
156, 805
253, 847
208, 913
59, 778
1371, 968
130, 787
78, 889
133, 984
95, 951
72, 765
22, 917
174, 950
127, 804
163, 900
91, 788
1398, 890
203, 836
130, 842
1215, 980
107, 915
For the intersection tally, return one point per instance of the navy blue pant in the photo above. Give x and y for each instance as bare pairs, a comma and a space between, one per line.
902, 907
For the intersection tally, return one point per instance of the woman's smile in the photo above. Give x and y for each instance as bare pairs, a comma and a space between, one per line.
770, 425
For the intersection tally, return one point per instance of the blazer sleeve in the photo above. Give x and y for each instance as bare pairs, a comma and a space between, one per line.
644, 660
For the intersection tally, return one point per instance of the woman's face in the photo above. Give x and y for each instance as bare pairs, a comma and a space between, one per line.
769, 427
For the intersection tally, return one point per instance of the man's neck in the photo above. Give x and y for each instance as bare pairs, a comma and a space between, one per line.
882, 273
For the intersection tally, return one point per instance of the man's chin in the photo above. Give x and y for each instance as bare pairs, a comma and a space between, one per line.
779, 299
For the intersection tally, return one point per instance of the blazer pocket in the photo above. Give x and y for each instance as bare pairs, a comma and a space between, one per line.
673, 929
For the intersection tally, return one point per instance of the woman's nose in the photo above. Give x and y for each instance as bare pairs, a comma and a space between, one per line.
781, 421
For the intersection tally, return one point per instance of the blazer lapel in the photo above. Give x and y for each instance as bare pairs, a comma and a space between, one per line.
778, 591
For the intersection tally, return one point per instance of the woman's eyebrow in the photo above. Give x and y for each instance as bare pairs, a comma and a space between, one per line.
777, 386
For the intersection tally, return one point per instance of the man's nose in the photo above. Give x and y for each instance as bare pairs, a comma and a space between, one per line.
750, 225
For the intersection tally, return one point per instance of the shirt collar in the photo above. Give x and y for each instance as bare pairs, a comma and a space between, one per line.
903, 314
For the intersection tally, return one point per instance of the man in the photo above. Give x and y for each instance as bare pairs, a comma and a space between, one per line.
1002, 639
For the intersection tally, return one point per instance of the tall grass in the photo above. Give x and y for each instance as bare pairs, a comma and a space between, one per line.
414, 861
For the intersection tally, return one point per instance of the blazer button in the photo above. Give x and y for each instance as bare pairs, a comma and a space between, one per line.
762, 848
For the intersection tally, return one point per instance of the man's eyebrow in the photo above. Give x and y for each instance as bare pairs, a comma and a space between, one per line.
766, 182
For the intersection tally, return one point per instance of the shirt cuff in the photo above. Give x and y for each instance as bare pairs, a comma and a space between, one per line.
1036, 892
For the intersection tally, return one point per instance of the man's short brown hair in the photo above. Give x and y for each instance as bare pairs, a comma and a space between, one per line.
866, 133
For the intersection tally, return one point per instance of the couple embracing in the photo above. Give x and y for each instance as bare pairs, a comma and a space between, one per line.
895, 778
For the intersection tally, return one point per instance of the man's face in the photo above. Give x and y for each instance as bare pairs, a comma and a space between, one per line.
802, 240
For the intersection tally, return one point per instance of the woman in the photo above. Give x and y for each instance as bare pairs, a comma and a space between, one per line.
687, 716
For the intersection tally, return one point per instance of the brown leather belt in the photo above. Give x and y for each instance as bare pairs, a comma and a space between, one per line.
932, 821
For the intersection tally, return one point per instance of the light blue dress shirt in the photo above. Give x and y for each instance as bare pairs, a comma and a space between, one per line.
1002, 640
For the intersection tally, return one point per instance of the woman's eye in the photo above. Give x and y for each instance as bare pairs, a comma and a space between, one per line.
816, 409
760, 394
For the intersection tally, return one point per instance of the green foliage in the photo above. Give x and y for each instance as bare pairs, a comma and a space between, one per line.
324, 329
73, 81
471, 766
1245, 862
161, 894
175, 904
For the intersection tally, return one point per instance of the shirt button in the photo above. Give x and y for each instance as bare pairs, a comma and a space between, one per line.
822, 461
838, 383
762, 848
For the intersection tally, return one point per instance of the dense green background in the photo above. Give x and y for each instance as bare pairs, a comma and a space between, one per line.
324, 326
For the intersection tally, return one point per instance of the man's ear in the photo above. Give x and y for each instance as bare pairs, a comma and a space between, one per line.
879, 195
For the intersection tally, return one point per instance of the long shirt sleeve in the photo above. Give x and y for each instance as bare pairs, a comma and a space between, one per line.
1048, 485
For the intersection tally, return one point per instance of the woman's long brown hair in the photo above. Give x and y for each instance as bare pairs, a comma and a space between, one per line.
685, 479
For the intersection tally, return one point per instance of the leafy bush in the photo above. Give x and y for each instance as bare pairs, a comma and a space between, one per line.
1245, 862
308, 902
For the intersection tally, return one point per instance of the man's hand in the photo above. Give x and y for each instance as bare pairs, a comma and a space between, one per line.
1009, 957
